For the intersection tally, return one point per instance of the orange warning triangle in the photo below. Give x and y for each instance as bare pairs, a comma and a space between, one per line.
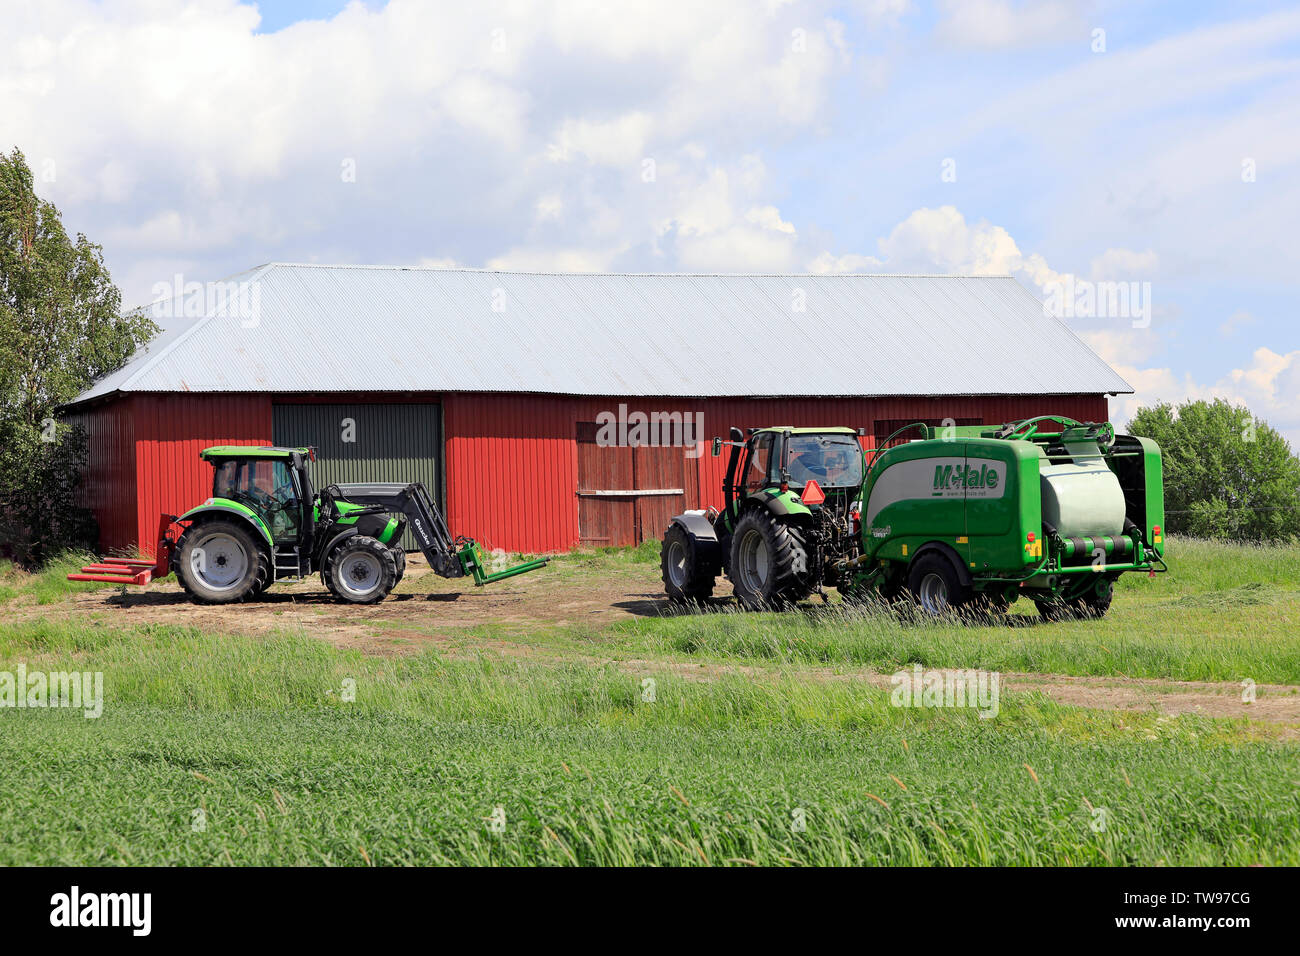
812, 493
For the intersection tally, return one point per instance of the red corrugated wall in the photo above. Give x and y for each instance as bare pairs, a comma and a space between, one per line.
511, 461
170, 431
109, 488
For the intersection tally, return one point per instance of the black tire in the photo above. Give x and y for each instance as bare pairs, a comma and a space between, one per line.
399, 558
685, 579
1090, 605
1053, 611
769, 562
935, 586
264, 576
220, 562
360, 570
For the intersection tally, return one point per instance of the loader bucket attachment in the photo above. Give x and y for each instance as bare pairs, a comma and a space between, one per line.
134, 570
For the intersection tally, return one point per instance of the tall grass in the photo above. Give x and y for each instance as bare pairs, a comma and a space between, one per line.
588, 770
1225, 612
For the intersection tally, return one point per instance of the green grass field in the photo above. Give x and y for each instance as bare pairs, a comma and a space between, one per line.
239, 749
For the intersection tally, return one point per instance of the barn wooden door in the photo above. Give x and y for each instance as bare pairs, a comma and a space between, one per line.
627, 494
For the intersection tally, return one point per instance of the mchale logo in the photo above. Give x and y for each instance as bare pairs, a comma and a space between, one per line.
103, 909
947, 477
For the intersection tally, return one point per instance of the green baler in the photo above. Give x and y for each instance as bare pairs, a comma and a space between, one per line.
987, 514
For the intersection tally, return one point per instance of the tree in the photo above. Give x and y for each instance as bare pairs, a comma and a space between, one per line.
61, 327
1228, 474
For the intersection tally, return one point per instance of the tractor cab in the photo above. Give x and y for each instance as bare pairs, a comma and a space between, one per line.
802, 467
272, 483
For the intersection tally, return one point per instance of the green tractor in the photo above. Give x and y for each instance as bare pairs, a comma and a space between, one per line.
785, 524
976, 516
265, 523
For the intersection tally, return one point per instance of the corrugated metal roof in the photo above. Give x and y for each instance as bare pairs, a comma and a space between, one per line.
382, 328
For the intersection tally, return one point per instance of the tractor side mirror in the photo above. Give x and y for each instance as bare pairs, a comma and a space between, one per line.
717, 447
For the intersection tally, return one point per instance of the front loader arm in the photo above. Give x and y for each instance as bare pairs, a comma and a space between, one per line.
448, 556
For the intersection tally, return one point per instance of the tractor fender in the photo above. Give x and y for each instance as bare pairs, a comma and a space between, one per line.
939, 547
202, 512
703, 535
783, 504
333, 542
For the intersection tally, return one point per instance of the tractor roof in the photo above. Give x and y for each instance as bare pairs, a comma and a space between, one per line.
830, 430
250, 451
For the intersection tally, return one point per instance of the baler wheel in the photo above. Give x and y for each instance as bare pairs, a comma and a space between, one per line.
934, 585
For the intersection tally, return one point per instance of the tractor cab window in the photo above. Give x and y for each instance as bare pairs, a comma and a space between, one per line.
758, 464
833, 461
266, 486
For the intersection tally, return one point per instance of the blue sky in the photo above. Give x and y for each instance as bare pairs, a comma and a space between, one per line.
202, 138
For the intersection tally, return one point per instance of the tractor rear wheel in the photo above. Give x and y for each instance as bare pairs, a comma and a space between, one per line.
769, 562
220, 563
361, 570
935, 585
399, 558
679, 560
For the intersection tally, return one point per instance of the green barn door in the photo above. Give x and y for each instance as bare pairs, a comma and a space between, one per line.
361, 442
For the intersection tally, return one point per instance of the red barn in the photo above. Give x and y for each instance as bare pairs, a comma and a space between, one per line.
548, 410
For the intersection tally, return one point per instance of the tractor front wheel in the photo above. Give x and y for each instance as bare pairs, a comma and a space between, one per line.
220, 563
361, 570
769, 562
685, 581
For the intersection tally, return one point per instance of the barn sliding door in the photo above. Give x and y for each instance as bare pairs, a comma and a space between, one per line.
364, 442
628, 494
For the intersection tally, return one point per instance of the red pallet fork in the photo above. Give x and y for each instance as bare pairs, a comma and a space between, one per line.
134, 570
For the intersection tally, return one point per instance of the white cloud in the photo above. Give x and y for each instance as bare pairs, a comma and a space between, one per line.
1269, 386
618, 142
206, 141
1114, 264
942, 241
1234, 322
554, 260
999, 24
